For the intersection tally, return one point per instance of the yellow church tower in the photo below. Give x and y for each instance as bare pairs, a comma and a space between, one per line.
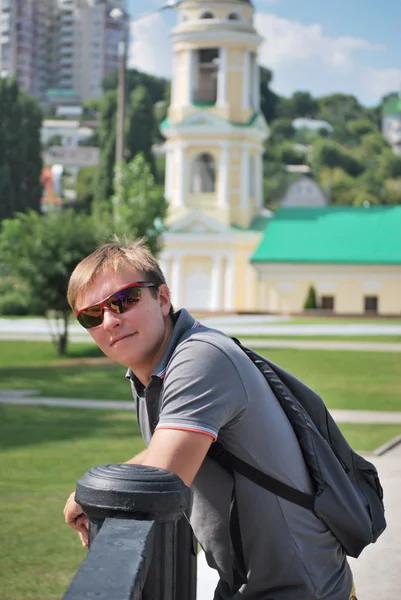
214, 158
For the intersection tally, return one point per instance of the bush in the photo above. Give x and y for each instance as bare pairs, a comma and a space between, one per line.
311, 299
14, 304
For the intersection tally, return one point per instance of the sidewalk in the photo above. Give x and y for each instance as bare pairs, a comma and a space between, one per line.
28, 398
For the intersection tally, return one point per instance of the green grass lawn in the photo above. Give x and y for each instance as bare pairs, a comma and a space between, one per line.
324, 338
354, 380
43, 452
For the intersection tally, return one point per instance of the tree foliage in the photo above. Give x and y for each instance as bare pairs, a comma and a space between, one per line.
156, 86
49, 248
141, 127
311, 299
268, 99
139, 204
103, 189
20, 151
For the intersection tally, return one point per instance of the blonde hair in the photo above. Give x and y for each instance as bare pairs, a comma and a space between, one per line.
114, 256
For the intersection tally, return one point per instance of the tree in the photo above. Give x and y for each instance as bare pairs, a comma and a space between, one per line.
139, 204
287, 154
20, 150
107, 141
340, 187
49, 248
360, 127
156, 86
281, 130
301, 104
142, 126
311, 299
85, 188
268, 99
327, 153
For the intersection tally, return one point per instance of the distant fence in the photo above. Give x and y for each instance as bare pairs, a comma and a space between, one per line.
140, 545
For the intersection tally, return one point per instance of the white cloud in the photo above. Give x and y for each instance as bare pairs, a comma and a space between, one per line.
302, 57
150, 48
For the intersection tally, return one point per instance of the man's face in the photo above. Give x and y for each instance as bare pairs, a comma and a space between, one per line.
137, 337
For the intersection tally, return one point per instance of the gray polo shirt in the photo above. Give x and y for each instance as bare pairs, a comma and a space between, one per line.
205, 383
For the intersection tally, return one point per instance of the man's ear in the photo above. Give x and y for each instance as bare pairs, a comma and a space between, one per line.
164, 299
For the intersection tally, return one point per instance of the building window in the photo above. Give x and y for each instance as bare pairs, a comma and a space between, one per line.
203, 174
207, 15
206, 76
371, 304
327, 302
233, 17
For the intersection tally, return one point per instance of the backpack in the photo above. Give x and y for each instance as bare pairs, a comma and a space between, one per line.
348, 496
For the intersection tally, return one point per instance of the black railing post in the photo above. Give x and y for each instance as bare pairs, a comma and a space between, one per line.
122, 494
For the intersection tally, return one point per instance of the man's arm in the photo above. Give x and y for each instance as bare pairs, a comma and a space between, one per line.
176, 450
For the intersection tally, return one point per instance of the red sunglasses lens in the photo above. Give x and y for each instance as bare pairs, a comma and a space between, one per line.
118, 303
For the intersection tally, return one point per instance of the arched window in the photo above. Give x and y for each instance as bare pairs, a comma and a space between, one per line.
207, 15
234, 17
203, 174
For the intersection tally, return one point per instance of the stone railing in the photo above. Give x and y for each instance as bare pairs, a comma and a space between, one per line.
141, 547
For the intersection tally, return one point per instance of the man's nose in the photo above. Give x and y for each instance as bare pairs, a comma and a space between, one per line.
111, 319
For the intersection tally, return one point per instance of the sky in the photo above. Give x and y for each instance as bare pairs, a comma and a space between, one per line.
347, 46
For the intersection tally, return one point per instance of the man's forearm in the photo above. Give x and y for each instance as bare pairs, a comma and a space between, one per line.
138, 459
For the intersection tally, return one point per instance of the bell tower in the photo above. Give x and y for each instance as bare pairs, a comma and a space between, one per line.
214, 130
214, 146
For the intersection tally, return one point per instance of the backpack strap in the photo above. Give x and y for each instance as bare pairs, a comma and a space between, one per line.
230, 462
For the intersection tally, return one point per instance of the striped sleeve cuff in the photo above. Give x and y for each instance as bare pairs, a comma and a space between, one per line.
195, 428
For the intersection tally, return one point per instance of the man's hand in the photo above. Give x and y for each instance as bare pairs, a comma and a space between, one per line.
76, 518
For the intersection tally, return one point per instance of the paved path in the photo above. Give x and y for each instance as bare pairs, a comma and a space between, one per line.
255, 343
324, 345
29, 398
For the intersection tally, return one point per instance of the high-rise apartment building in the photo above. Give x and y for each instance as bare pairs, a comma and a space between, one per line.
65, 47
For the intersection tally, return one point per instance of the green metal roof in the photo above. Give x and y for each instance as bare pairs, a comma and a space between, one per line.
351, 235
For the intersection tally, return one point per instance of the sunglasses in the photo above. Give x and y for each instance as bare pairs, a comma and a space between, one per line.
119, 302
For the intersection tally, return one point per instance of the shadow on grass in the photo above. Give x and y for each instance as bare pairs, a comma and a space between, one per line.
22, 426
83, 351
103, 381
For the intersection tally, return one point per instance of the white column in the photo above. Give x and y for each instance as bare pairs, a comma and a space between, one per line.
164, 264
174, 76
246, 74
256, 81
229, 284
181, 174
189, 76
222, 94
259, 180
176, 281
169, 173
245, 177
224, 177
217, 283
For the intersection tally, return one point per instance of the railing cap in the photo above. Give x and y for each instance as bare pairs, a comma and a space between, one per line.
137, 490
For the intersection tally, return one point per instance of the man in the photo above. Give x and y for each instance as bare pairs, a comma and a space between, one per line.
192, 386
